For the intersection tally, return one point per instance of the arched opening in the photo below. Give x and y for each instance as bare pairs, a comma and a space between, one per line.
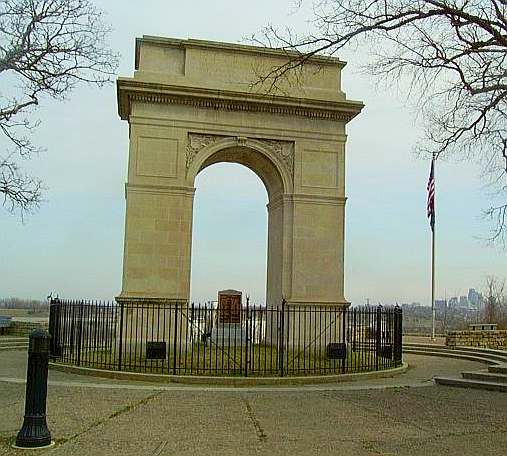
229, 239
268, 168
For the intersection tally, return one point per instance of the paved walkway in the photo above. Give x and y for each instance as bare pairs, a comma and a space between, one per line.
404, 415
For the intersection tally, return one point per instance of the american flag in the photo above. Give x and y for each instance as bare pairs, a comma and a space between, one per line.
430, 205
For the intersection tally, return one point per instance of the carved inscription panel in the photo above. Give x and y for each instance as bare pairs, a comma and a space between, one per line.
229, 306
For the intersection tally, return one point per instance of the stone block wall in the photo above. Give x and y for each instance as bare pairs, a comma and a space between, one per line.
484, 339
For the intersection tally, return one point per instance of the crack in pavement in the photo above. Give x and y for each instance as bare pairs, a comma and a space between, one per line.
261, 435
121, 411
159, 449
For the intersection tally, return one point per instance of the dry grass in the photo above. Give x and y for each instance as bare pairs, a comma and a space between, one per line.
258, 360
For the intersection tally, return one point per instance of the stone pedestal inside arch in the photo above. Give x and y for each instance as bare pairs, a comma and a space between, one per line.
229, 328
194, 103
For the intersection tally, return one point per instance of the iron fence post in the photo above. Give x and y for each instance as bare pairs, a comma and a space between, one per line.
72, 324
96, 327
344, 316
192, 329
247, 335
80, 332
378, 335
398, 319
175, 336
281, 336
120, 348
54, 328
400, 333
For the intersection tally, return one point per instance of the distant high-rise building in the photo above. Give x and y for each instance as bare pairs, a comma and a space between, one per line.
463, 301
440, 304
474, 298
453, 302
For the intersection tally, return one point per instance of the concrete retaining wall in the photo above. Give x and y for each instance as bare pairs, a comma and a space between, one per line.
485, 339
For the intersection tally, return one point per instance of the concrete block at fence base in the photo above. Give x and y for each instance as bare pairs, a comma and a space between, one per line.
229, 334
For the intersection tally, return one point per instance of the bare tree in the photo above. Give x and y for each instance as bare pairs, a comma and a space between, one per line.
494, 302
450, 53
17, 303
46, 48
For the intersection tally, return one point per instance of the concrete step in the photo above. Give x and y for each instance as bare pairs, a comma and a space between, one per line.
10, 344
465, 383
490, 354
429, 346
13, 343
498, 369
492, 359
13, 347
459, 347
497, 355
484, 376
7, 339
487, 350
451, 354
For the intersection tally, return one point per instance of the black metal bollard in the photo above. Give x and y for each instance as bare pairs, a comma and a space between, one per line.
35, 433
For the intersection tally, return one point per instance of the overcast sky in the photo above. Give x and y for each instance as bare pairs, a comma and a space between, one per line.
74, 245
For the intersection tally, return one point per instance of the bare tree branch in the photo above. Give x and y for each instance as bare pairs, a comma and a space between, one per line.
20, 191
46, 48
452, 54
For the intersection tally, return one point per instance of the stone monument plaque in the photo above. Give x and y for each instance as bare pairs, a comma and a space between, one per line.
229, 306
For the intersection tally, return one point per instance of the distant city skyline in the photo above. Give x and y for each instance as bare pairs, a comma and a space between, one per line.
461, 299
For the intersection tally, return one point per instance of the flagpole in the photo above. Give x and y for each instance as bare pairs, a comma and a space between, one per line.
433, 258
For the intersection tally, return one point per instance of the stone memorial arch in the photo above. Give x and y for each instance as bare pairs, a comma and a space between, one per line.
194, 103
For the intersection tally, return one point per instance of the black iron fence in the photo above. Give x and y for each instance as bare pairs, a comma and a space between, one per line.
181, 339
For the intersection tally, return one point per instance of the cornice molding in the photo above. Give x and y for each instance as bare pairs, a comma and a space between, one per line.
159, 189
130, 90
306, 199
